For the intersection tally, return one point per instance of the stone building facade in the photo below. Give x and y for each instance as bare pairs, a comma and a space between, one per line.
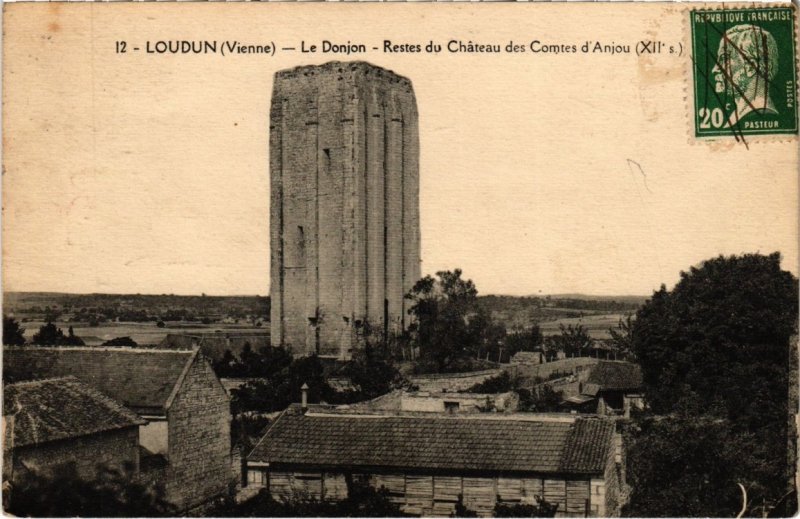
344, 229
185, 442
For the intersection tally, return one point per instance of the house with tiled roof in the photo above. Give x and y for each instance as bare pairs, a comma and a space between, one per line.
426, 461
616, 386
57, 421
186, 440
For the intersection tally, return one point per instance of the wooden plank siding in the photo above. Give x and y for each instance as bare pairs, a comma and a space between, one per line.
480, 495
577, 498
334, 486
509, 490
531, 489
555, 492
307, 484
394, 483
419, 494
436, 495
446, 490
280, 484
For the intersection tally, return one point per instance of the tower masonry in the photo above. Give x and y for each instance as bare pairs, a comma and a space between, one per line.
344, 229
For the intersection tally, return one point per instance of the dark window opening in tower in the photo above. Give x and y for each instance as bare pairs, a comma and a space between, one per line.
385, 319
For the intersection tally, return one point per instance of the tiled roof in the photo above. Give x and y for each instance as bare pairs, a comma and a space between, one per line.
577, 445
141, 379
588, 446
616, 376
60, 408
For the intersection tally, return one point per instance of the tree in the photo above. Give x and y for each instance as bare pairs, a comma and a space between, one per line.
524, 340
72, 340
372, 372
721, 335
573, 340
622, 337
542, 399
50, 335
275, 391
683, 466
13, 334
226, 365
441, 308
496, 384
64, 493
716, 346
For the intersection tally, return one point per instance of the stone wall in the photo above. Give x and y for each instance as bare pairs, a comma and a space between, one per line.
578, 366
609, 494
110, 448
344, 228
459, 402
439, 382
199, 439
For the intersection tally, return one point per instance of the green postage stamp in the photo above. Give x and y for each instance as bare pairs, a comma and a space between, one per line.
745, 80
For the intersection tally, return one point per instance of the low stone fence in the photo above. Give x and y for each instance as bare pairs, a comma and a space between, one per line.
577, 366
452, 382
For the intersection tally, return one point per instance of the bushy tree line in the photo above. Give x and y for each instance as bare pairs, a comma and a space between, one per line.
51, 335
362, 501
714, 353
276, 378
13, 333
449, 327
48, 335
64, 493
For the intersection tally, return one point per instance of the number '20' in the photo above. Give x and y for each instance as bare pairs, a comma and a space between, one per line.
709, 118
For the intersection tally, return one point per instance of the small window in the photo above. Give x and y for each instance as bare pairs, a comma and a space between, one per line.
256, 478
451, 407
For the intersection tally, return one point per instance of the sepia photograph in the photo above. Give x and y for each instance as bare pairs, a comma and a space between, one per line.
400, 260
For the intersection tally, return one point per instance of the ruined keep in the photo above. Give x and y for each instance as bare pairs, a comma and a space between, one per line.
344, 229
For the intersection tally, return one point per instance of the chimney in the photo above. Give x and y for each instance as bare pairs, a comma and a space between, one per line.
304, 397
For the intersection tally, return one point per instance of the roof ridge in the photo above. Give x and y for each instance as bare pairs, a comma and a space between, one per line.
487, 417
40, 381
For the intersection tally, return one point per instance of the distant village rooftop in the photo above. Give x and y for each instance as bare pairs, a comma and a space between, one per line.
616, 376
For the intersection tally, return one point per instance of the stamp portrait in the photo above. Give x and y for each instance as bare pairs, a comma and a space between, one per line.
744, 75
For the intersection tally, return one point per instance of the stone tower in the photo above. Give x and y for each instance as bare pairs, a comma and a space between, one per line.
344, 229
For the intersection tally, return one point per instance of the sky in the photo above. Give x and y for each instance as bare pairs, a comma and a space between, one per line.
539, 174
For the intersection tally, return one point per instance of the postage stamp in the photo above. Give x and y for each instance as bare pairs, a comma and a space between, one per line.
744, 77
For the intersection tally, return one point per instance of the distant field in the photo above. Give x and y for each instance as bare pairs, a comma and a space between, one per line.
142, 333
597, 325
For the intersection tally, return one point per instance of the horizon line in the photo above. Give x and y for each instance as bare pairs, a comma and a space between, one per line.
565, 295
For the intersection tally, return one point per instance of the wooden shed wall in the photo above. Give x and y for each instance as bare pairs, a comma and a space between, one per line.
436, 495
